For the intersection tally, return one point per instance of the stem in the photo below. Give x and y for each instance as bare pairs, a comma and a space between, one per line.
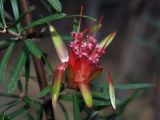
39, 67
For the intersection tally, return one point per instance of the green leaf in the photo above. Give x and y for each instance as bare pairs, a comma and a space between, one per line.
27, 100
39, 112
82, 16
43, 20
2, 15
10, 106
133, 86
129, 86
67, 38
15, 12
4, 43
76, 111
20, 86
9, 96
3, 117
27, 74
100, 95
64, 110
30, 101
1, 25
18, 112
48, 64
45, 91
32, 47
7, 104
30, 9
15, 8
17, 70
56, 5
5, 59
75, 24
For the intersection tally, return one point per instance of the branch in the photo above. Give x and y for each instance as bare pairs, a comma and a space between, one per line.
39, 67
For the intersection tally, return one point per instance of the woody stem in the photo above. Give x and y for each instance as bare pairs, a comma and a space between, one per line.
39, 67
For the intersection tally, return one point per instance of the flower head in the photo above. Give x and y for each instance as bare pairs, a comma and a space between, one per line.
82, 63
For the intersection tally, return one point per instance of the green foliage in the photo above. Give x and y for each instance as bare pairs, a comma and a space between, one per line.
17, 70
5, 59
43, 20
56, 4
33, 48
2, 14
76, 111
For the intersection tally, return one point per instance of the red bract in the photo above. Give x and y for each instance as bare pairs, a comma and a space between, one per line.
82, 64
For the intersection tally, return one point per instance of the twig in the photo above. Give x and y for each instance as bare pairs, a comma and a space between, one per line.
39, 67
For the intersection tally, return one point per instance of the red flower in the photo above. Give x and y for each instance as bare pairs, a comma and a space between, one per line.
82, 64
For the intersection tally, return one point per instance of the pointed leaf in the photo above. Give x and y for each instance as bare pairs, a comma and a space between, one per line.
43, 20
2, 15
133, 86
4, 43
5, 59
32, 47
17, 70
75, 24
56, 5
9, 96
76, 110
45, 91
18, 112
27, 74
15, 12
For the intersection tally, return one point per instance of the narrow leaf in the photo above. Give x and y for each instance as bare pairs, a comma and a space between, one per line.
2, 15
27, 74
56, 5
45, 91
32, 47
3, 43
82, 16
75, 24
9, 96
19, 111
76, 111
17, 70
43, 20
133, 86
7, 104
15, 12
5, 59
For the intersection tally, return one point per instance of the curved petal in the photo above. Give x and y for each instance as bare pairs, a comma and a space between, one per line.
111, 89
107, 40
59, 44
58, 76
86, 93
